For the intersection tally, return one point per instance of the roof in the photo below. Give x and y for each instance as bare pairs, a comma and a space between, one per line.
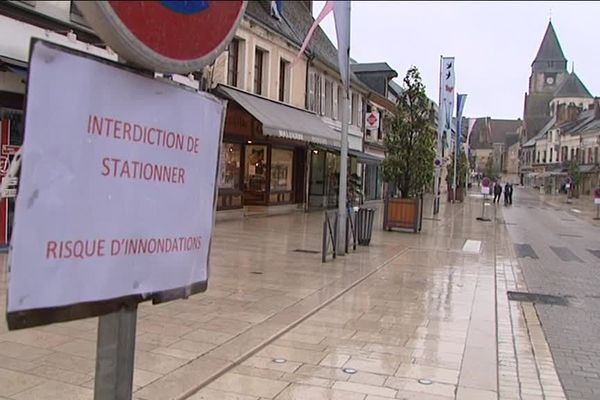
550, 49
502, 127
541, 132
282, 120
511, 139
572, 87
397, 89
487, 131
373, 67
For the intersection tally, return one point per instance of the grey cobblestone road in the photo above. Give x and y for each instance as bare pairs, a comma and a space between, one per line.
564, 263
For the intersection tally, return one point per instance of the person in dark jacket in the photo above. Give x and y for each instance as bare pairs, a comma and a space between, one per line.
510, 193
506, 190
497, 192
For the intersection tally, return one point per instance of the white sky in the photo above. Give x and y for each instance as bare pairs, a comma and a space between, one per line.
494, 44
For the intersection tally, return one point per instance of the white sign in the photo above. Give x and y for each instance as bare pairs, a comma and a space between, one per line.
596, 201
372, 120
117, 184
10, 180
485, 190
8, 193
568, 185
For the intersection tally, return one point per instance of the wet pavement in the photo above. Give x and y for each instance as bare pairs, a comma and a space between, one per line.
410, 317
566, 244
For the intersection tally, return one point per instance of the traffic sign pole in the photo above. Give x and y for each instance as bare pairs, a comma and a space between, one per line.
115, 350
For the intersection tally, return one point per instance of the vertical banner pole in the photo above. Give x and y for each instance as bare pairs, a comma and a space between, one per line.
436, 189
343, 176
115, 350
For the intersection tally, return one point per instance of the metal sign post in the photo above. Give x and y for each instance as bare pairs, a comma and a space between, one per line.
485, 191
115, 351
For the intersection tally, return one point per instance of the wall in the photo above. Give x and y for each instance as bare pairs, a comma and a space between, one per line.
252, 36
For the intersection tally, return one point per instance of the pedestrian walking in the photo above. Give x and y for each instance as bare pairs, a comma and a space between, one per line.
506, 190
510, 193
497, 192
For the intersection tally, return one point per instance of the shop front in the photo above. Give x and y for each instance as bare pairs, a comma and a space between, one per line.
266, 148
12, 89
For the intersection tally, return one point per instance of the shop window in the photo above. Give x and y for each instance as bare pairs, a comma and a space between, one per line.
255, 177
259, 69
282, 162
233, 62
229, 170
317, 173
284, 80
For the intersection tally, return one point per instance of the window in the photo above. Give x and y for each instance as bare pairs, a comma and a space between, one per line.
318, 95
329, 99
590, 159
550, 155
259, 56
281, 170
284, 81
310, 95
340, 93
354, 110
596, 155
229, 170
538, 156
232, 62
572, 154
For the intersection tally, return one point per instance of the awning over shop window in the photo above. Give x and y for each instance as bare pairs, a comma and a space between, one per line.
365, 157
16, 66
283, 121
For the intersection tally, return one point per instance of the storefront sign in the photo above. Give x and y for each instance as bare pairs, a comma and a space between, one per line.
117, 185
372, 120
166, 36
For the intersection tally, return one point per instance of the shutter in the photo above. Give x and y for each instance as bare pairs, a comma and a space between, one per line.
311, 91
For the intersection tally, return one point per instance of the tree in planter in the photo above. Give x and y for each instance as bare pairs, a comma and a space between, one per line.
410, 142
461, 171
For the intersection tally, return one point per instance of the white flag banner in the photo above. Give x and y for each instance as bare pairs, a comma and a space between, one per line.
447, 98
341, 13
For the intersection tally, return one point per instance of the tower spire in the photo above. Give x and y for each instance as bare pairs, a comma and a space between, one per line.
550, 49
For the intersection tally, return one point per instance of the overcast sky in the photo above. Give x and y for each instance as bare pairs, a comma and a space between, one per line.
494, 44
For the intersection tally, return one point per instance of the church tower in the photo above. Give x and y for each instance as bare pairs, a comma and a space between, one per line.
548, 72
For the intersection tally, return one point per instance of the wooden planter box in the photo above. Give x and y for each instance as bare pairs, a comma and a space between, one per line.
403, 214
459, 194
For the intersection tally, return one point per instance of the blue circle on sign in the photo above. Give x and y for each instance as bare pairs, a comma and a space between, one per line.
185, 7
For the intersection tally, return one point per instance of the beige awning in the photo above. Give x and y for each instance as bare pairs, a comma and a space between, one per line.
282, 120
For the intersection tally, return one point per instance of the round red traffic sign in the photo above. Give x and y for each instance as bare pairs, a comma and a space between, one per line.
167, 35
597, 193
485, 182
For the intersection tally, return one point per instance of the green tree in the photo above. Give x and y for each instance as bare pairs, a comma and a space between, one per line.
410, 142
490, 169
461, 171
575, 175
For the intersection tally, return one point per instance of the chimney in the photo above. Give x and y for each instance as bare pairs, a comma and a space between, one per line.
596, 108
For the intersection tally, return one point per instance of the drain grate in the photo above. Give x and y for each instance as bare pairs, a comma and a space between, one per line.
525, 250
307, 251
537, 298
431, 219
256, 272
569, 235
